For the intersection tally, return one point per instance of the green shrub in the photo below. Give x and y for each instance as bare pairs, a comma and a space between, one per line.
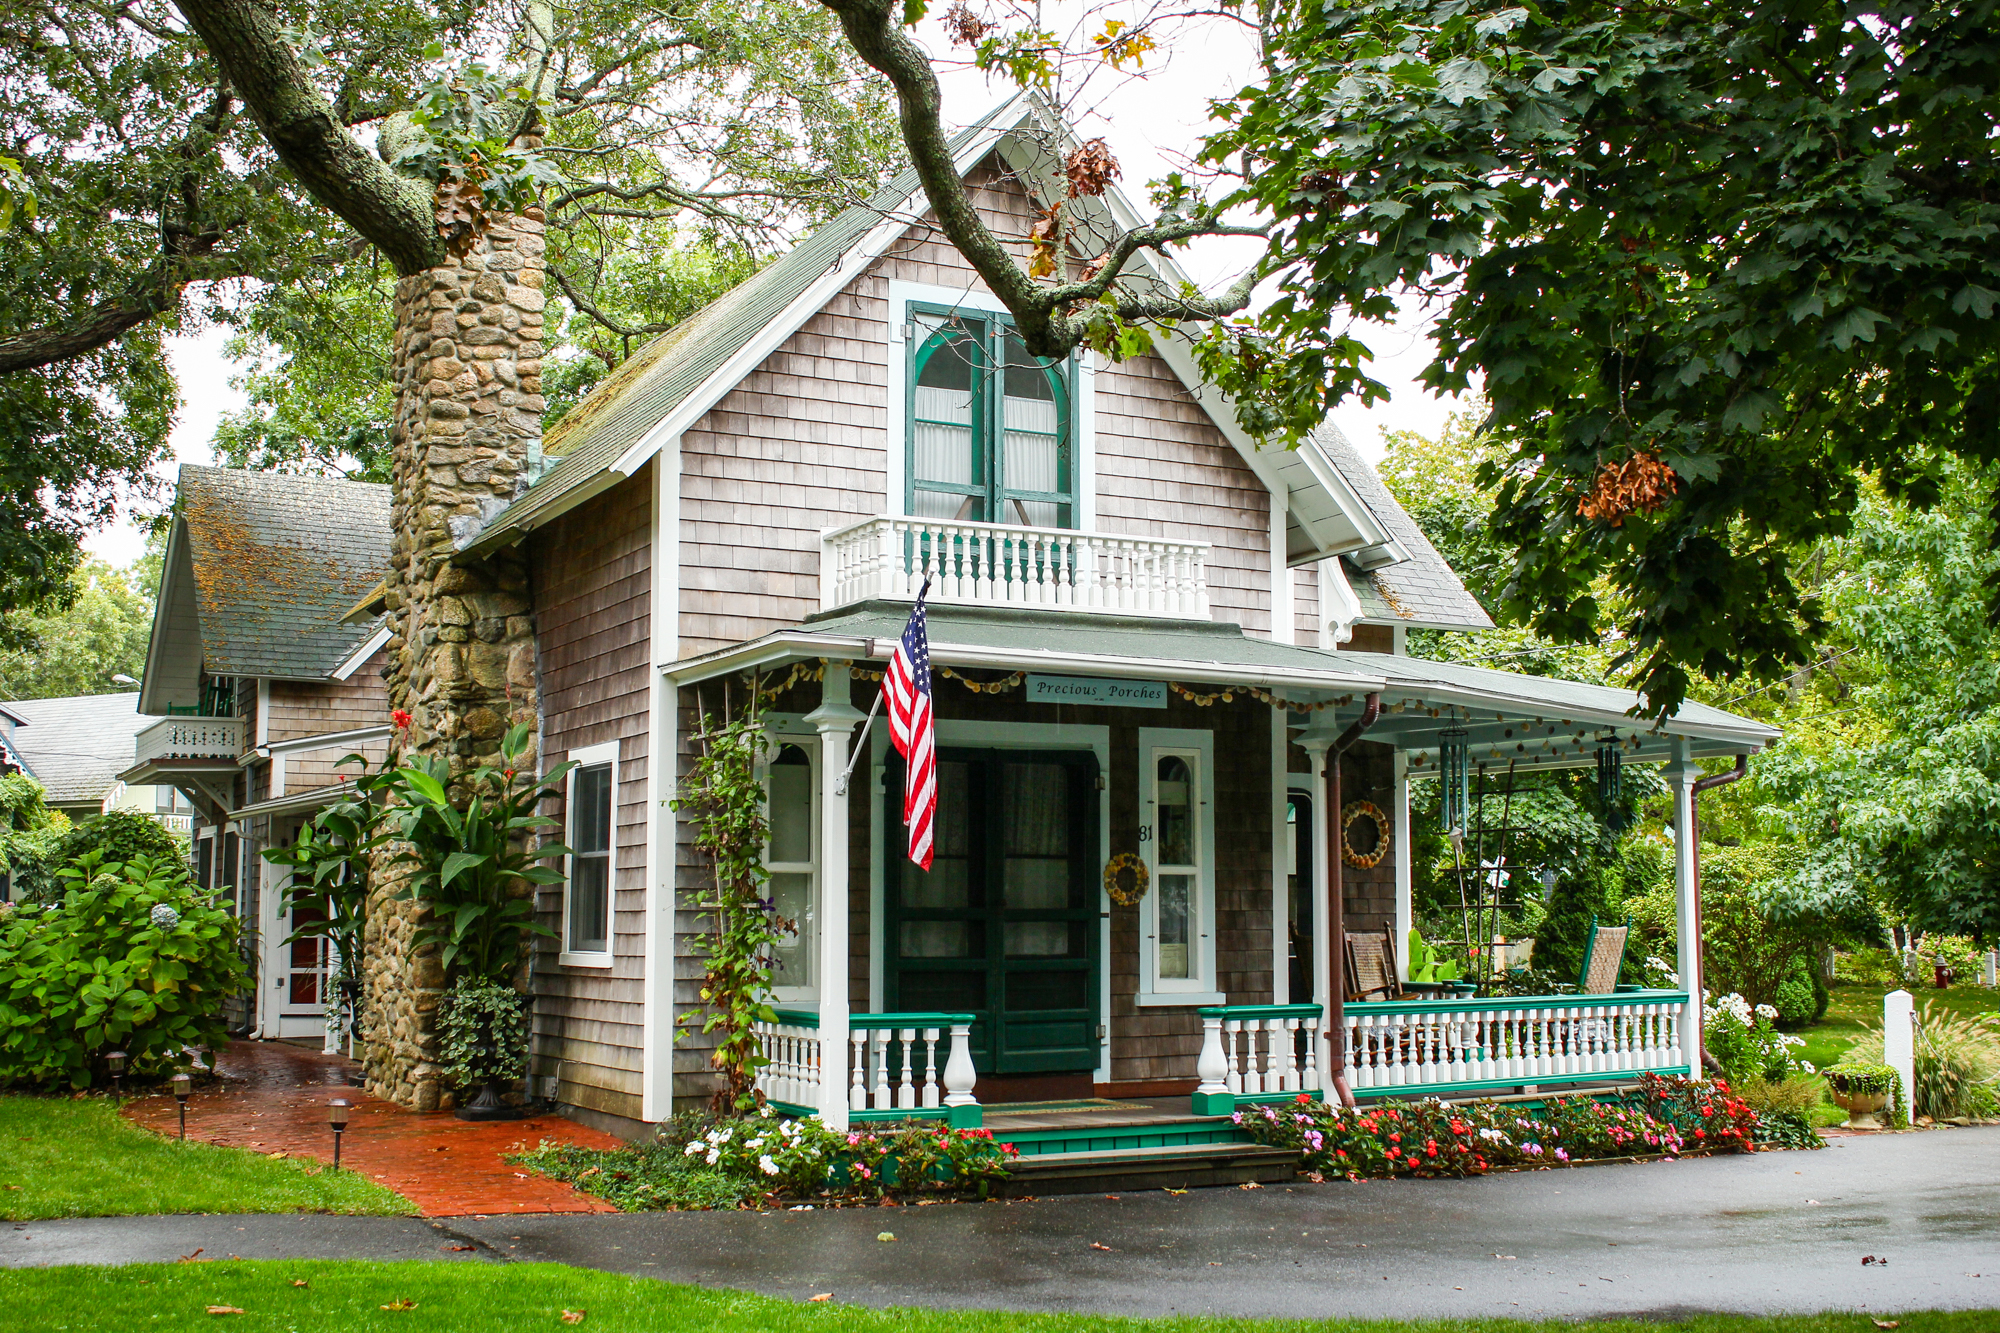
1874, 968
482, 1034
117, 837
29, 832
1801, 998
642, 1178
131, 956
1795, 1093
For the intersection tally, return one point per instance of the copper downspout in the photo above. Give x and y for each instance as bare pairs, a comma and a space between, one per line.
1336, 915
1694, 817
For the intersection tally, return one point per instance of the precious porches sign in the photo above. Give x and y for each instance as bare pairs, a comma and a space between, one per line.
1088, 690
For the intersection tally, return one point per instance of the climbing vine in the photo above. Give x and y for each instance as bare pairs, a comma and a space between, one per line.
723, 798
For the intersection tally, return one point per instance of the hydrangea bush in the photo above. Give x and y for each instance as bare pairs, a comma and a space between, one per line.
1746, 1041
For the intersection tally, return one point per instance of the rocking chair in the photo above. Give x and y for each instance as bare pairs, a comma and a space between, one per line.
1372, 972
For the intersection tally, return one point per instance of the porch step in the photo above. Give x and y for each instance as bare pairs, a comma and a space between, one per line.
1177, 1166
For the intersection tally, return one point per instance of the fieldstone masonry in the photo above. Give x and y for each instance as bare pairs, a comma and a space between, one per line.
467, 365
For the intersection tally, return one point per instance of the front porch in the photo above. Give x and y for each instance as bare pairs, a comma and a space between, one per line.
1071, 743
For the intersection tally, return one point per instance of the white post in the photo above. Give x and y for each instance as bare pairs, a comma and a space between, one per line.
1899, 1042
1683, 774
835, 718
959, 1077
1399, 849
1212, 1095
1282, 850
1315, 743
1989, 968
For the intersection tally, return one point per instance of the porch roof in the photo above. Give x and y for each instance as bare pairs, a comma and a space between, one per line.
1536, 721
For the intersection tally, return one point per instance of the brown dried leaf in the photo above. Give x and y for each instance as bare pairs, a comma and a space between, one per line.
1642, 484
572, 1316
1043, 238
225, 1309
964, 27
823, 1296
1090, 168
401, 1305
461, 215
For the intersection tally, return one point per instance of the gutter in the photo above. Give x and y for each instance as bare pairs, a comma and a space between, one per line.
1336, 914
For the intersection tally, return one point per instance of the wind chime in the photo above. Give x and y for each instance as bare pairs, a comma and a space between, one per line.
1611, 785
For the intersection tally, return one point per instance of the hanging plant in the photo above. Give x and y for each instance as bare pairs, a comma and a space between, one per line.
724, 800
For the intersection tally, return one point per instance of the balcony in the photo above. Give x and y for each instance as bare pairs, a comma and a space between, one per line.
997, 564
217, 739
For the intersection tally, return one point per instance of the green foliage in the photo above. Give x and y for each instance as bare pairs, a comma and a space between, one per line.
118, 836
476, 869
1752, 246
77, 647
723, 800
1857, 1074
646, 1177
1746, 949
131, 957
802, 1157
1706, 1112
1801, 998
29, 831
1746, 1043
482, 1034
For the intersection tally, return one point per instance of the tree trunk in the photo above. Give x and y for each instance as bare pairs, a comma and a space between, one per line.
467, 365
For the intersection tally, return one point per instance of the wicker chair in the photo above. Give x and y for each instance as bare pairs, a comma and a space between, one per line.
1603, 955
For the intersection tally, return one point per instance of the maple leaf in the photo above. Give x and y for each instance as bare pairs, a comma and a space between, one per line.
1090, 168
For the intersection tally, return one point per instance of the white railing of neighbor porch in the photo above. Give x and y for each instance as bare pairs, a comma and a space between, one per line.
998, 564
890, 1068
189, 738
1441, 1045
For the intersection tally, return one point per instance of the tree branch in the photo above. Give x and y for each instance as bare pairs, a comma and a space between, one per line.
392, 211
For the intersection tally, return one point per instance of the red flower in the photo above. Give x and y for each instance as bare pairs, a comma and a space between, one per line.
1395, 1138
401, 719
1303, 1099
1394, 1151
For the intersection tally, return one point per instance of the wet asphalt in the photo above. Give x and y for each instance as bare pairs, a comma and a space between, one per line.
1772, 1233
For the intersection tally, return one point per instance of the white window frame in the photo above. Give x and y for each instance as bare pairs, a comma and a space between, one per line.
780, 733
1083, 393
1155, 744
591, 756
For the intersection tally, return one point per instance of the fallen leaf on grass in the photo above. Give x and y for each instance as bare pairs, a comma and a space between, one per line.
225, 1309
823, 1296
572, 1316
300, 1282
1884, 1323
1095, 1246
277, 1154
187, 1258
401, 1305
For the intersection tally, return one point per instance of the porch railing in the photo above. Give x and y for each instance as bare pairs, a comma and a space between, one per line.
1256, 1052
998, 564
1445, 1046
189, 738
890, 1069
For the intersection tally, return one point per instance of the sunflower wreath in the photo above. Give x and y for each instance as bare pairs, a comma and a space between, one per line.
1114, 871
1363, 810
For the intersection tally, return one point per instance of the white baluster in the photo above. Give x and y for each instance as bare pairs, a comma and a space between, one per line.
880, 1094
1211, 1067
906, 1091
1232, 1041
857, 1089
1312, 1053
1288, 1072
958, 1071
930, 1068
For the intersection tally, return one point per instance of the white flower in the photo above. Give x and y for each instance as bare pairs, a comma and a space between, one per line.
164, 916
765, 1164
713, 1157
691, 1150
1766, 1011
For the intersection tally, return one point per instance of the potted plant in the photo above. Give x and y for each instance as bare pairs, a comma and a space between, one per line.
476, 869
1862, 1091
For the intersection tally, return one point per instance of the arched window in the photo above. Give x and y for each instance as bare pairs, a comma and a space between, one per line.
992, 431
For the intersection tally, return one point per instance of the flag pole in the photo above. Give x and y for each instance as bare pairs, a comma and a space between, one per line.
840, 787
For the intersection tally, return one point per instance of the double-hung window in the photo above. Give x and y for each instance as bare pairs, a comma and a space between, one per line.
1177, 918
592, 793
992, 429
789, 859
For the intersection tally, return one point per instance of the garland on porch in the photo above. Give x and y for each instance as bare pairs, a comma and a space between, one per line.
816, 670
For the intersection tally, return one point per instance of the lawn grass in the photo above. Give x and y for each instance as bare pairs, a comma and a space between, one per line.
61, 1157
1857, 1009
347, 1297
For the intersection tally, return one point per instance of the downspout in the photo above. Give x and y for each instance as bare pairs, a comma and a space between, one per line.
1694, 817
1336, 913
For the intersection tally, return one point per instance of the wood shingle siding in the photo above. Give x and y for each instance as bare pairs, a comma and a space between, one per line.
314, 708
592, 581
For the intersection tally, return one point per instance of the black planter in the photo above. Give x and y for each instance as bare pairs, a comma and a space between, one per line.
490, 1104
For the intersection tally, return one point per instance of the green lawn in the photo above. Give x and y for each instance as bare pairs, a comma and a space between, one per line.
65, 1158
347, 1297
1856, 1009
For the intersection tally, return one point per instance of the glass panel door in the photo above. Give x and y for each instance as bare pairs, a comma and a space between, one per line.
1005, 923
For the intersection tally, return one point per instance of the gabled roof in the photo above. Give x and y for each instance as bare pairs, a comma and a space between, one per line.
75, 747
667, 385
1419, 591
260, 568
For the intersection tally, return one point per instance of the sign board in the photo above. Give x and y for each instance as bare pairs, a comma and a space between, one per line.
1108, 693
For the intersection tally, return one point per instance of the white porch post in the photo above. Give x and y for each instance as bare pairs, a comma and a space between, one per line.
1316, 743
1399, 849
835, 718
1682, 773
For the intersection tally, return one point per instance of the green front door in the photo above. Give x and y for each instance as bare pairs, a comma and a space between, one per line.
1004, 925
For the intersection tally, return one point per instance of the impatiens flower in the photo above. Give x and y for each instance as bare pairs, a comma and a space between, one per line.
767, 1166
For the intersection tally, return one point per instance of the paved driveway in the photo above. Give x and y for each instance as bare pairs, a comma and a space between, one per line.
1770, 1233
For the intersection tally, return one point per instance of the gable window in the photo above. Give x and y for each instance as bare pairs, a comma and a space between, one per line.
793, 868
992, 429
593, 789
1177, 919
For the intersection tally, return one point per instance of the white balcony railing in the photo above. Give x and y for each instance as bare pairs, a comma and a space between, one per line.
189, 738
995, 564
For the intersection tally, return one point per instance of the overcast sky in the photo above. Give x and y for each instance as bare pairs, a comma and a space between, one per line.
1150, 122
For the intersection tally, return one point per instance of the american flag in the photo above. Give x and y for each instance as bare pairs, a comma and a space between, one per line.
907, 686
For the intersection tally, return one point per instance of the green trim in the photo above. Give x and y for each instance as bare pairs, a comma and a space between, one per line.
879, 1022
798, 1018
1422, 1090
1263, 1011
1621, 999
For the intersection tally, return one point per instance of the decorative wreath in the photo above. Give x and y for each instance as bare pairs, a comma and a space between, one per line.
1370, 811
1115, 869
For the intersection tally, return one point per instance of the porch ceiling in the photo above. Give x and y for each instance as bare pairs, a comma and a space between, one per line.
1535, 721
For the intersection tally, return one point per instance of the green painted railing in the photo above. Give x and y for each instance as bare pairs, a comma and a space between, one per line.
888, 1071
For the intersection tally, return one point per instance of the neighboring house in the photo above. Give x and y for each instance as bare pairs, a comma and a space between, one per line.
1147, 633
256, 687
76, 747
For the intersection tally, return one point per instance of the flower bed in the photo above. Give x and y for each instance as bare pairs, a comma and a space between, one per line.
1432, 1138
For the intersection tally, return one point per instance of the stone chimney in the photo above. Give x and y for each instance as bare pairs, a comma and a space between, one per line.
467, 365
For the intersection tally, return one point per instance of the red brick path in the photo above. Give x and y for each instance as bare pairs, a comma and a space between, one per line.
273, 1098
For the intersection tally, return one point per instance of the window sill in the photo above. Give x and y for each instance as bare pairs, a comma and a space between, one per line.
568, 959
1181, 999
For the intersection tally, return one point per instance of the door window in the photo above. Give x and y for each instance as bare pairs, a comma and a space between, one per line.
1178, 835
793, 869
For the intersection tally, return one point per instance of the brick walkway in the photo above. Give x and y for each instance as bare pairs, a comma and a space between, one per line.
273, 1098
